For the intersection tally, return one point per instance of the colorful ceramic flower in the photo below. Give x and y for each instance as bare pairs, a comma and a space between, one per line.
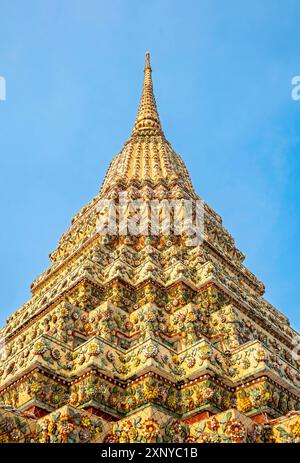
128, 325
151, 392
208, 393
190, 361
94, 349
151, 351
85, 421
235, 430
84, 435
55, 397
260, 354
204, 353
55, 354
244, 403
39, 348
35, 387
16, 435
150, 429
91, 389
246, 364
66, 426
213, 424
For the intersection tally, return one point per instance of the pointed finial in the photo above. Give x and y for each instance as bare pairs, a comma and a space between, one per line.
147, 64
147, 120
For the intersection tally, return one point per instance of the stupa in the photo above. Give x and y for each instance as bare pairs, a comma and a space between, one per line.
147, 337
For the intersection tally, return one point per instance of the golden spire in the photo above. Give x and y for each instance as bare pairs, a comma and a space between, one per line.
147, 121
147, 156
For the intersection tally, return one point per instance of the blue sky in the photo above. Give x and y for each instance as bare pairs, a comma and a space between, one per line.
222, 74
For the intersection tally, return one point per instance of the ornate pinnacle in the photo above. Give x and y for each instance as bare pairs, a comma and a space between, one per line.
147, 121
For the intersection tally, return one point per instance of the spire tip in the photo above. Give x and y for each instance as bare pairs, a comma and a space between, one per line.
147, 120
147, 59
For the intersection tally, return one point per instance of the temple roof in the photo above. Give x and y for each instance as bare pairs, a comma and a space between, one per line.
147, 157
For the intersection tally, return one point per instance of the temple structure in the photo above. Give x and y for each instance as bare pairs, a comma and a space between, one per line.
147, 338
